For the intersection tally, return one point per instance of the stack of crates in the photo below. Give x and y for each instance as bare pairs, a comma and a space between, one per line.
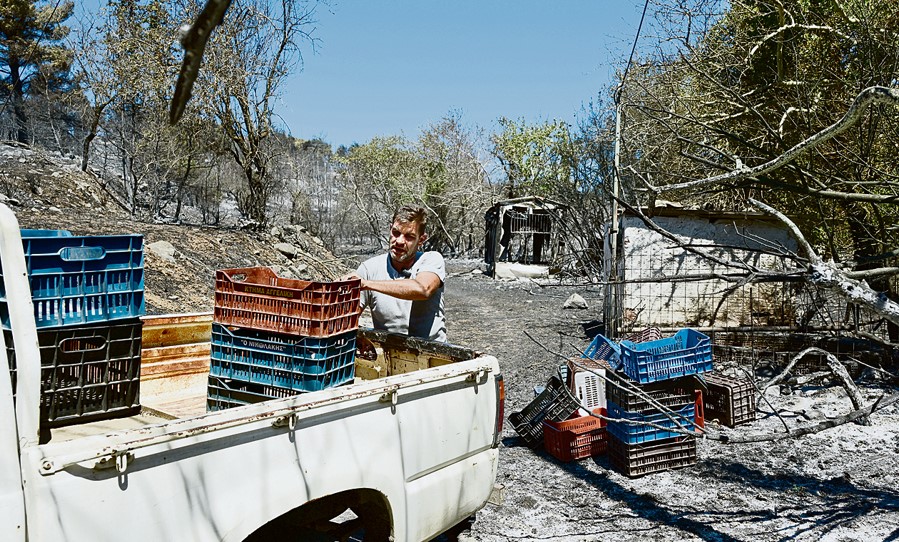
583, 434
276, 337
652, 383
88, 295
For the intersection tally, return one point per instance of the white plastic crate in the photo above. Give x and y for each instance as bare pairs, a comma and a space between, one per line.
590, 389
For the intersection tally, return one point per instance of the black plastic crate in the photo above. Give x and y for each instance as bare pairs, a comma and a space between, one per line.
729, 400
629, 395
554, 403
225, 393
88, 372
640, 459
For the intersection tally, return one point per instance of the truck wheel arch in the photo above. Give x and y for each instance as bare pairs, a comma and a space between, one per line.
370, 506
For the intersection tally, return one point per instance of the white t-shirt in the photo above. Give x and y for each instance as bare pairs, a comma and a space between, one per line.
423, 319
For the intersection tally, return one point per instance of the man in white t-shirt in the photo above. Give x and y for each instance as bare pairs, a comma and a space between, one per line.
404, 288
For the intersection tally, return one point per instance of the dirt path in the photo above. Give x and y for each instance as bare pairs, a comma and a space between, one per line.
840, 485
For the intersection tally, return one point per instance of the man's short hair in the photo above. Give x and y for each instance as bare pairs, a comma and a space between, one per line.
408, 214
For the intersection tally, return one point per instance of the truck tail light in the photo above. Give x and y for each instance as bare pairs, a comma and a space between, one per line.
500, 409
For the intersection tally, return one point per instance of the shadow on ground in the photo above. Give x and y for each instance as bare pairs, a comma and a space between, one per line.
811, 506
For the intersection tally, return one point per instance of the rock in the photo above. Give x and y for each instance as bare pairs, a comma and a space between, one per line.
282, 271
286, 249
54, 209
575, 302
276, 232
163, 249
318, 241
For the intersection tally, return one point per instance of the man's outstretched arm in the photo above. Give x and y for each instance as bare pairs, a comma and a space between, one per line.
420, 288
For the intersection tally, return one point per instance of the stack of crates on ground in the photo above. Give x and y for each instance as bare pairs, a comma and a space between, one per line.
88, 295
276, 337
584, 433
651, 398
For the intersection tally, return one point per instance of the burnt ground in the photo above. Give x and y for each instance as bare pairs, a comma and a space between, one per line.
837, 485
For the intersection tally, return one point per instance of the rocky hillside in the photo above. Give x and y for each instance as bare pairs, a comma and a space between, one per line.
48, 191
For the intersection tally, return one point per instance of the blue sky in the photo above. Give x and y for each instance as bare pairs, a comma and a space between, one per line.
392, 67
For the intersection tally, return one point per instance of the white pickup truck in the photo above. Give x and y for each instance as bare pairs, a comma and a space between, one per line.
410, 447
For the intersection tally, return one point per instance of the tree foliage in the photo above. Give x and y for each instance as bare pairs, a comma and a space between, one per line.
33, 61
442, 171
536, 158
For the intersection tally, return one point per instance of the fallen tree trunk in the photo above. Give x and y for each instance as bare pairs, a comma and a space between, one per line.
881, 403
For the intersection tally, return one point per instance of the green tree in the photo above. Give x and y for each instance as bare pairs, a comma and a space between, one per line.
379, 177
536, 158
442, 171
32, 60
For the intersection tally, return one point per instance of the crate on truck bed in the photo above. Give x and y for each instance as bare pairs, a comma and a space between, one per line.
257, 298
301, 364
87, 372
77, 280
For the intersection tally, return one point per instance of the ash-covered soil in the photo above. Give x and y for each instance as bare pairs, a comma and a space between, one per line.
838, 485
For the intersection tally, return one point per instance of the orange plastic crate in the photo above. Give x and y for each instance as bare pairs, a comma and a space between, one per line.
576, 438
257, 298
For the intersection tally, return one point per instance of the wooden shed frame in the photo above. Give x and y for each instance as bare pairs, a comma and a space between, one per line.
523, 231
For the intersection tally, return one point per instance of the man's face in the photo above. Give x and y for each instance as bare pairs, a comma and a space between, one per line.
405, 240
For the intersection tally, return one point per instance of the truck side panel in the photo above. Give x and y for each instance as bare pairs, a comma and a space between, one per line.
12, 503
224, 484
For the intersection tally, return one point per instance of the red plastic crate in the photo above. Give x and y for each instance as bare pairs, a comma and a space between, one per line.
576, 438
257, 298
700, 410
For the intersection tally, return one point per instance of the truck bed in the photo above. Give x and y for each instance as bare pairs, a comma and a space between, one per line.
175, 358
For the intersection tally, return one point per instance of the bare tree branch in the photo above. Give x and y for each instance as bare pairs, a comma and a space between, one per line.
867, 97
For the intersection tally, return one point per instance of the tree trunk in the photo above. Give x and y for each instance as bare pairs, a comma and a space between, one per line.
91, 134
18, 97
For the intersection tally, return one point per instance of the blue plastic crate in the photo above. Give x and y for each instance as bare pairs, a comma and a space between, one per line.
282, 360
688, 352
636, 434
602, 347
77, 280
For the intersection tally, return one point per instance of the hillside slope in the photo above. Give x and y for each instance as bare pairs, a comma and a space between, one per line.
48, 191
